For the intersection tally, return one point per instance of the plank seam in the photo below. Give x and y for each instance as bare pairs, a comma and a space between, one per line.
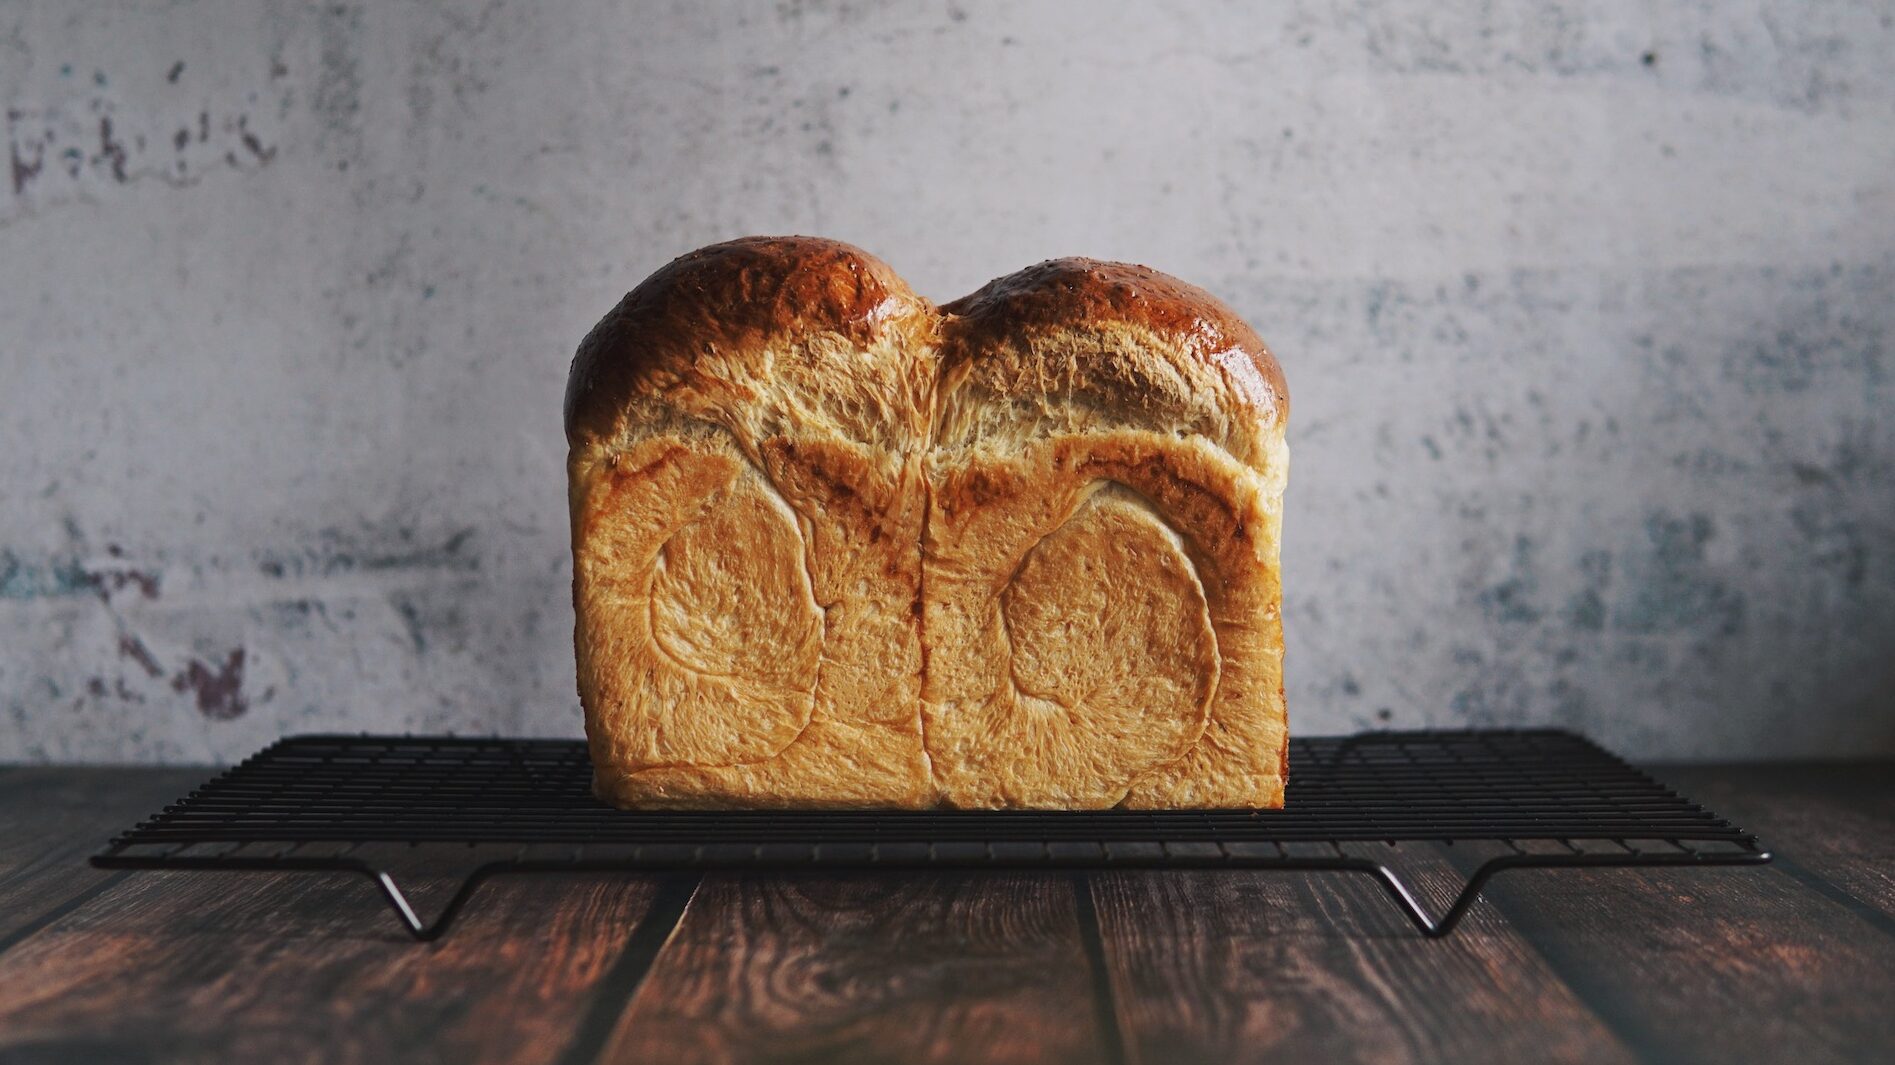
40, 923
1626, 1031
621, 983
1105, 1005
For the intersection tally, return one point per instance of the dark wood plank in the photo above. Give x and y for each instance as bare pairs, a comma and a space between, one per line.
1260, 966
279, 967
1712, 965
1688, 966
51, 820
871, 968
1832, 822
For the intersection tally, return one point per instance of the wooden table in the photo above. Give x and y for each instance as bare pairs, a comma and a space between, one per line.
1794, 962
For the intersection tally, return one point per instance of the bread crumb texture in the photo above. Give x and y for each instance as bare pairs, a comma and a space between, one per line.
835, 546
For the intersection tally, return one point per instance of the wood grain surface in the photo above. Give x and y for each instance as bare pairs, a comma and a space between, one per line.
1792, 963
1721, 965
1833, 826
54, 818
262, 966
1254, 967
870, 968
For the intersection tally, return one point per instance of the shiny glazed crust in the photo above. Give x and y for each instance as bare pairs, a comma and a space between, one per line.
836, 547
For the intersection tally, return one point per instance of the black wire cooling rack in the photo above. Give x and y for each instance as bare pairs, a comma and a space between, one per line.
339, 803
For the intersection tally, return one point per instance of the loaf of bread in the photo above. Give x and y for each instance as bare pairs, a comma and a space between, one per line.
837, 547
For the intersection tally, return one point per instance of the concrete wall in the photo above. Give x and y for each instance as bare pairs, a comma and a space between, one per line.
1586, 310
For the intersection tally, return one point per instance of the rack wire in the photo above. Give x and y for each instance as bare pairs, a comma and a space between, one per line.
332, 802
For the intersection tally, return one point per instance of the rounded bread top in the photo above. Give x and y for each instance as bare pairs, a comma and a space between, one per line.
730, 300
1079, 294
709, 333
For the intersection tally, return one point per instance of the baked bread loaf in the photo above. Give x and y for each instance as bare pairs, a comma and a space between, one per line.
836, 547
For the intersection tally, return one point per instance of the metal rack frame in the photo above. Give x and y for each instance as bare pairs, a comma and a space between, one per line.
324, 803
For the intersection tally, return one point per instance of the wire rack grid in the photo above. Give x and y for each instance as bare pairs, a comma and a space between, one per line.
330, 802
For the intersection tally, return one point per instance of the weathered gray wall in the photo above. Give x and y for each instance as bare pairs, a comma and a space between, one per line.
1586, 310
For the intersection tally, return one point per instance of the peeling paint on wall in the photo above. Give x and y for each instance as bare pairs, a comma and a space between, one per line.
78, 148
218, 689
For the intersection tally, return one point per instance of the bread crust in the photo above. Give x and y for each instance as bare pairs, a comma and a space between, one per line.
1031, 536
733, 301
1060, 294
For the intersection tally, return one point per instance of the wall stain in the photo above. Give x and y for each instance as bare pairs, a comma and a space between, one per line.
1586, 610
109, 581
24, 169
86, 140
111, 150
1510, 601
1671, 588
130, 646
1572, 706
64, 577
22, 580
219, 689
1815, 334
411, 618
1805, 473
1835, 540
343, 552
338, 96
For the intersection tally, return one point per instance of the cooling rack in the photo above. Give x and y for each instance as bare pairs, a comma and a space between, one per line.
339, 803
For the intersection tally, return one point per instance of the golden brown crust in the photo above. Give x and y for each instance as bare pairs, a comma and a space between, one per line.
653, 577
1065, 293
836, 548
732, 297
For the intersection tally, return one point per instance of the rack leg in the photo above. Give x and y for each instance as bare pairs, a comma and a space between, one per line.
1411, 907
426, 932
1435, 929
